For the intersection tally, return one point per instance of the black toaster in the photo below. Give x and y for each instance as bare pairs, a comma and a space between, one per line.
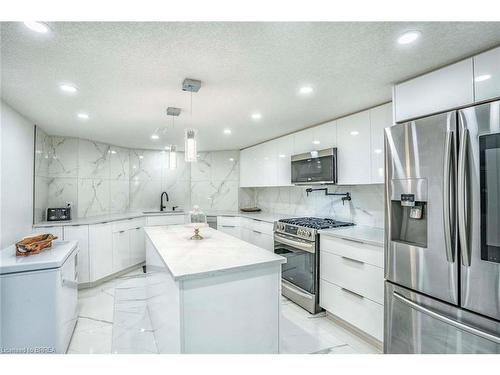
59, 214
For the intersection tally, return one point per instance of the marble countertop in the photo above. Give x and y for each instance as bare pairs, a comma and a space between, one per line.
104, 218
369, 235
217, 252
53, 257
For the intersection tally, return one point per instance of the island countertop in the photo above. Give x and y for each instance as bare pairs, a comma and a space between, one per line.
217, 252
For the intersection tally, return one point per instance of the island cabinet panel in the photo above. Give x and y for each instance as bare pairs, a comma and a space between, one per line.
164, 302
232, 313
232, 306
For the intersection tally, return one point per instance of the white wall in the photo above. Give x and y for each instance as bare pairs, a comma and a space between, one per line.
16, 175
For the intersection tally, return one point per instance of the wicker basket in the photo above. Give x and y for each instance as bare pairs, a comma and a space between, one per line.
34, 244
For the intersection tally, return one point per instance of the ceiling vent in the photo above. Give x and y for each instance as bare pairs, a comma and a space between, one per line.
172, 111
191, 85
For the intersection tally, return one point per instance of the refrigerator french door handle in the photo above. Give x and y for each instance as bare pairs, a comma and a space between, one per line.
462, 197
446, 197
445, 319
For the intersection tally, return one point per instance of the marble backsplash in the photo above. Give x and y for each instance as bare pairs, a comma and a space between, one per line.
365, 208
100, 179
215, 180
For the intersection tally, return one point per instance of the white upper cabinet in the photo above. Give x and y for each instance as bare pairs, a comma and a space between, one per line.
353, 149
267, 174
438, 91
246, 167
283, 148
380, 118
325, 136
303, 141
487, 75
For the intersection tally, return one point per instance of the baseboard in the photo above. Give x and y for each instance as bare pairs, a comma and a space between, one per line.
361, 334
109, 277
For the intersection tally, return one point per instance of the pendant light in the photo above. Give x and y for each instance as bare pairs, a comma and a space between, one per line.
190, 150
172, 157
190, 146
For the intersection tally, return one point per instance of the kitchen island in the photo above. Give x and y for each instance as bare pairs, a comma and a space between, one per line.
216, 295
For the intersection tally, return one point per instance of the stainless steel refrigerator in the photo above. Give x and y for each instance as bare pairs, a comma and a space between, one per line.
442, 245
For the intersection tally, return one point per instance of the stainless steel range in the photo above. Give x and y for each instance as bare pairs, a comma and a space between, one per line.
297, 240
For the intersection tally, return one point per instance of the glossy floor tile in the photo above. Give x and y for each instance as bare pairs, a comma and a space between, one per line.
114, 319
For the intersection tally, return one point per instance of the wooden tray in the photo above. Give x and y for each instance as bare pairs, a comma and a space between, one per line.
34, 244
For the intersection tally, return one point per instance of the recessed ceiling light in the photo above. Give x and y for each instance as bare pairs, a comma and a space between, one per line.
378, 151
282, 155
113, 151
231, 159
316, 142
482, 78
409, 37
155, 136
39, 27
227, 131
306, 90
82, 116
355, 132
256, 116
66, 87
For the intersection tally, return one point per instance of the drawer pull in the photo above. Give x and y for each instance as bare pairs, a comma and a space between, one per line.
351, 240
256, 231
353, 260
228, 226
353, 293
122, 231
138, 228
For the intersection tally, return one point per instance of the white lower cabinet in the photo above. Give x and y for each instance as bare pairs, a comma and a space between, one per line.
80, 233
258, 233
100, 250
355, 309
121, 250
352, 283
137, 247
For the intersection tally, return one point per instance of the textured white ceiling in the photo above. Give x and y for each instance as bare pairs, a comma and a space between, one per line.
129, 73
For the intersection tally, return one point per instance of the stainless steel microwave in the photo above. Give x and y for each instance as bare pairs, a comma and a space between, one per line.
315, 167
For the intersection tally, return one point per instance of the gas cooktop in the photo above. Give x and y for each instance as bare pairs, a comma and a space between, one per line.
315, 222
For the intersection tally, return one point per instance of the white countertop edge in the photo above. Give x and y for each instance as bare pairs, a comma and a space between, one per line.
369, 235
103, 219
35, 262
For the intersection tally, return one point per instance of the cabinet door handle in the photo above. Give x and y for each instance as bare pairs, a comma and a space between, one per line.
256, 231
228, 226
122, 231
353, 293
353, 260
351, 240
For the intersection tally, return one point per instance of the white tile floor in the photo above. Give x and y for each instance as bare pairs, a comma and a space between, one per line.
114, 319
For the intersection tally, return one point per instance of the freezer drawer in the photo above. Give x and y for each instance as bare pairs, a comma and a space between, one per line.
415, 323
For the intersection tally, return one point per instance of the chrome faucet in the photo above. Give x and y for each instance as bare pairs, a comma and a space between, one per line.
162, 207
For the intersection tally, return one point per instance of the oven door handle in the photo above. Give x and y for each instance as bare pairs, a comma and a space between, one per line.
308, 247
